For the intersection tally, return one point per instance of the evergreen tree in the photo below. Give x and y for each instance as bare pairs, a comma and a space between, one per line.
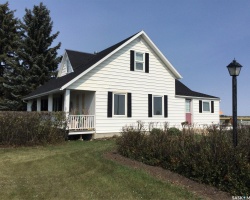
8, 40
12, 86
36, 54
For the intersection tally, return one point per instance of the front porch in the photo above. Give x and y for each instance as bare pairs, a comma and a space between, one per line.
79, 106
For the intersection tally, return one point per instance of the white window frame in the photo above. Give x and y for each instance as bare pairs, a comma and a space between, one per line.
162, 105
207, 111
190, 106
113, 102
138, 61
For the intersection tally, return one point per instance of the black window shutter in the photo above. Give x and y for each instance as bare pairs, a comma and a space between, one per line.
200, 106
129, 105
110, 97
149, 105
132, 60
212, 106
165, 105
147, 63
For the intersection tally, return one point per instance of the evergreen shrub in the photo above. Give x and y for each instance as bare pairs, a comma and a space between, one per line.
209, 158
32, 128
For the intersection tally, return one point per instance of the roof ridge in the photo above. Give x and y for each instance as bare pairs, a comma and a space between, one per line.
119, 43
106, 51
79, 51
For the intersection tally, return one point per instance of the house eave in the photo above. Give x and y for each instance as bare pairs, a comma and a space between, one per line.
161, 55
41, 94
194, 97
167, 63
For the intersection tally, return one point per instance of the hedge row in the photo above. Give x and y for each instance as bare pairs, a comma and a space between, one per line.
32, 128
209, 158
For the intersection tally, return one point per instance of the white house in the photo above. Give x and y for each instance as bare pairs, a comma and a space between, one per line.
129, 81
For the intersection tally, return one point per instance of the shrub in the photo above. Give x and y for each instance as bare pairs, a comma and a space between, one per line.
32, 128
174, 131
130, 142
209, 158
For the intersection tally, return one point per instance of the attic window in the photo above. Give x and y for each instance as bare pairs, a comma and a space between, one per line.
139, 61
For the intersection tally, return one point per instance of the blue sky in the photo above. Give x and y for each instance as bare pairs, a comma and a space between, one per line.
199, 37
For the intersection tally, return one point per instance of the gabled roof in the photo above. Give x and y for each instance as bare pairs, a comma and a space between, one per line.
86, 63
183, 90
78, 58
57, 83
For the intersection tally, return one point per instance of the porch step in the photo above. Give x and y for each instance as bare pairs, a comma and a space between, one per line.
80, 132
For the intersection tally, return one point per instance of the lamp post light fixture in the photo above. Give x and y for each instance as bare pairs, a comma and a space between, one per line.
234, 71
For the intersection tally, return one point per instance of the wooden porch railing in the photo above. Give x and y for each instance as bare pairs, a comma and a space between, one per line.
81, 122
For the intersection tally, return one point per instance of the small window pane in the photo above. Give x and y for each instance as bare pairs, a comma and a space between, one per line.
139, 57
139, 66
157, 105
206, 106
188, 106
119, 104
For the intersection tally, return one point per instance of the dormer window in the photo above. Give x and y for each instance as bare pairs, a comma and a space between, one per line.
139, 61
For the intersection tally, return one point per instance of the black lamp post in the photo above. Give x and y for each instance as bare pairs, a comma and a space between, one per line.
234, 71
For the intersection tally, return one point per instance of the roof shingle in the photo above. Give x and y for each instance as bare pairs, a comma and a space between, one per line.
183, 90
80, 62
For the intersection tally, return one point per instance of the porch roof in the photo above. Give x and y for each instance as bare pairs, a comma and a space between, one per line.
55, 84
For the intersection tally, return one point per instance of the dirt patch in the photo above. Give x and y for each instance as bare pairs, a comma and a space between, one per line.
202, 190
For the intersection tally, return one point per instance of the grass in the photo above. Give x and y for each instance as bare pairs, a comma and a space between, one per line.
77, 170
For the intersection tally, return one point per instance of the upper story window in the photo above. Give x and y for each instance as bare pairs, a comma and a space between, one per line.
139, 61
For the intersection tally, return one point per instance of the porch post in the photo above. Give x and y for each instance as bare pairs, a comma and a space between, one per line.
66, 101
29, 104
50, 102
38, 105
80, 104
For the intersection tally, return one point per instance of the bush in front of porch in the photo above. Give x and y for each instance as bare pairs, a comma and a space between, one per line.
32, 128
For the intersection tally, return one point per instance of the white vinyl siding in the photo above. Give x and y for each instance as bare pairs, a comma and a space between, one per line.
65, 66
114, 75
205, 118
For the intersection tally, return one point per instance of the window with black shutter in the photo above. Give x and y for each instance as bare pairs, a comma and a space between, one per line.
109, 111
200, 106
212, 106
129, 105
119, 104
165, 105
139, 61
149, 105
132, 60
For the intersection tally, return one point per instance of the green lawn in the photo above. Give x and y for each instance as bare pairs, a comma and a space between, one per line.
76, 170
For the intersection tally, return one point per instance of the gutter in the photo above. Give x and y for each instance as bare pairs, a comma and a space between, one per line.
41, 94
193, 97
